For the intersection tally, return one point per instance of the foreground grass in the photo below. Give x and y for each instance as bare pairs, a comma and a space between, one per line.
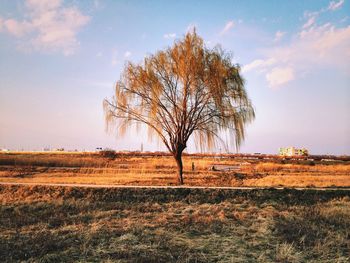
173, 225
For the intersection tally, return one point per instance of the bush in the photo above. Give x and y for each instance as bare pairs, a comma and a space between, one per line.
108, 153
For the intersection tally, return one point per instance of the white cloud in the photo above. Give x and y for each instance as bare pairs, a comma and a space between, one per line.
99, 54
258, 63
279, 76
313, 47
227, 27
335, 5
169, 35
127, 54
279, 35
309, 22
16, 28
48, 26
322, 46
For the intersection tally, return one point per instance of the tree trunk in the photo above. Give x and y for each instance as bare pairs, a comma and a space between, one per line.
178, 159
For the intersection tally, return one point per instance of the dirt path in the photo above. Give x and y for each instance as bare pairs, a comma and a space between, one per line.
165, 186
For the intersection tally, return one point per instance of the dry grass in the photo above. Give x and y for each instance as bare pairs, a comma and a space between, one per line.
94, 169
41, 224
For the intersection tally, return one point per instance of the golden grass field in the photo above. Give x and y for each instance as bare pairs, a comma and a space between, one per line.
79, 224
91, 168
65, 224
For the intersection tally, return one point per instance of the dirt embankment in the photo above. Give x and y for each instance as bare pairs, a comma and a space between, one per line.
11, 194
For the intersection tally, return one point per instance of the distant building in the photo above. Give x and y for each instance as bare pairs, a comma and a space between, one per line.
292, 151
58, 150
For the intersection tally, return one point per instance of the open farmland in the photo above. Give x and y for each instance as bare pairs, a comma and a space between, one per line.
64, 224
129, 169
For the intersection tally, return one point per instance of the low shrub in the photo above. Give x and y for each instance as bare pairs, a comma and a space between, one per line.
108, 153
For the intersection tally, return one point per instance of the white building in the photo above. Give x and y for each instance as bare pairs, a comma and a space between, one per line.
292, 151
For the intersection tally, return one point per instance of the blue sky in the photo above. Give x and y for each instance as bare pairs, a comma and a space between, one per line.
60, 59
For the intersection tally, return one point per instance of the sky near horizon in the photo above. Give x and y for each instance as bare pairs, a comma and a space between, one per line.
60, 59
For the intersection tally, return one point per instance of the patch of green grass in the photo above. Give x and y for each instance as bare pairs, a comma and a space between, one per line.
57, 224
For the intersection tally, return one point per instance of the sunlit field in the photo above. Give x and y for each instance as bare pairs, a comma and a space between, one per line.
69, 224
65, 224
92, 168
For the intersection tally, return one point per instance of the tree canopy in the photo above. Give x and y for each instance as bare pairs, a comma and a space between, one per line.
186, 89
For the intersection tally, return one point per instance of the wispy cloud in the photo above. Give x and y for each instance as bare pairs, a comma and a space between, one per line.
316, 47
310, 22
279, 35
48, 26
258, 64
169, 35
278, 76
16, 28
333, 5
229, 25
312, 16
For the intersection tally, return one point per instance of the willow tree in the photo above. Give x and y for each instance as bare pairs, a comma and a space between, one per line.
183, 90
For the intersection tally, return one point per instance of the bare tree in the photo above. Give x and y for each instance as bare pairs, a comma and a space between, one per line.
183, 90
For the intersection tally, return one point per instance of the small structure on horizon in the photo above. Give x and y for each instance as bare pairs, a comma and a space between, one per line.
293, 151
58, 150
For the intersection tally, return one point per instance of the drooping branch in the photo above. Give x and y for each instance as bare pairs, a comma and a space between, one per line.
182, 90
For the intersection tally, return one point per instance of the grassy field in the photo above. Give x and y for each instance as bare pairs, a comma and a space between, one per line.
61, 224
142, 170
